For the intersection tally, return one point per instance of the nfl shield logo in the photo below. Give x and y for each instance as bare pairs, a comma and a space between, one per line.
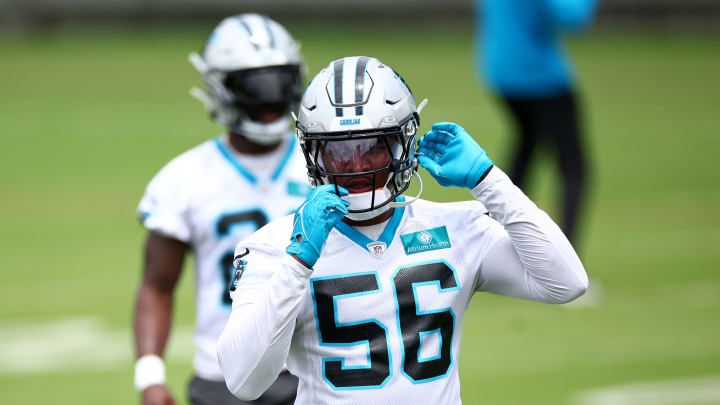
377, 248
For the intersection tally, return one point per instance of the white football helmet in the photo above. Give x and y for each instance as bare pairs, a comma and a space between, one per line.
252, 69
356, 126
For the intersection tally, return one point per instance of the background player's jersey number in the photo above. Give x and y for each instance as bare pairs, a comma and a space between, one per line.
412, 323
222, 229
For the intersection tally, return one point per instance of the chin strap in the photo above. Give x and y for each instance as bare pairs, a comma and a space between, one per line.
421, 106
398, 204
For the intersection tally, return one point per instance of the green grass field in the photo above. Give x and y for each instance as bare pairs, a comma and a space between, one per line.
88, 117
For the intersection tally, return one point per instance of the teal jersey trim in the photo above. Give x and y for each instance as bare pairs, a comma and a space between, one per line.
245, 172
387, 235
285, 159
230, 158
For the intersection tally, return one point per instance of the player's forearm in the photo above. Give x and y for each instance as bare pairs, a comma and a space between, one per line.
153, 316
254, 345
552, 269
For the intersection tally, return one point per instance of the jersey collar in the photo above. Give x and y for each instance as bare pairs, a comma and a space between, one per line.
387, 235
247, 174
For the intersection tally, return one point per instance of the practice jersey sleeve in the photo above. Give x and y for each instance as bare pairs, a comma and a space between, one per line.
534, 259
163, 207
254, 345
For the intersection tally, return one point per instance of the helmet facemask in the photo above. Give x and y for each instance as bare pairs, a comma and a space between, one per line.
256, 102
375, 165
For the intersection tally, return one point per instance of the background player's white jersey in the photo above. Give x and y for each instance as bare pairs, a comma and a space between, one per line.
381, 320
211, 197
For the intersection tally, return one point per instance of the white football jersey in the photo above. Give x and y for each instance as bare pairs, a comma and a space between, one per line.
381, 320
211, 198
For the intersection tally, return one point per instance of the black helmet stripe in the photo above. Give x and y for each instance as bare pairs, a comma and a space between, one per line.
338, 75
360, 82
249, 31
266, 20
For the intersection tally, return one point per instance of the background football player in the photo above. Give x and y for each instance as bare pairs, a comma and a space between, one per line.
366, 303
526, 65
215, 194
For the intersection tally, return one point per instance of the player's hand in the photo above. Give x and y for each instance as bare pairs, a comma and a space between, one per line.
157, 395
314, 220
452, 157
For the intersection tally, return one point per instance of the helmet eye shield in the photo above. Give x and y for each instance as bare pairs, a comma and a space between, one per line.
267, 85
355, 156
264, 94
359, 165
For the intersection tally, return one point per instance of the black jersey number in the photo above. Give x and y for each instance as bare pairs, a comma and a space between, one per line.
325, 292
414, 325
222, 229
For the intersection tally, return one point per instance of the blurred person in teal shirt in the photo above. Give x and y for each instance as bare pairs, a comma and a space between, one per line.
525, 64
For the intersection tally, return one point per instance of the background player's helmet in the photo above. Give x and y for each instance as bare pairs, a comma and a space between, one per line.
252, 69
354, 107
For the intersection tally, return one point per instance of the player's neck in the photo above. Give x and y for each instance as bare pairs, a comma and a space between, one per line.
372, 221
241, 144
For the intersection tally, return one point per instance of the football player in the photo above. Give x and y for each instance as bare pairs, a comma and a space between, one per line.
216, 194
362, 292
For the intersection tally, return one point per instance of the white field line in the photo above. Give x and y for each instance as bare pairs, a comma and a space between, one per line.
74, 344
705, 390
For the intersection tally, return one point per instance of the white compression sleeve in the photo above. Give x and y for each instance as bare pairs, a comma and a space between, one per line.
536, 261
254, 345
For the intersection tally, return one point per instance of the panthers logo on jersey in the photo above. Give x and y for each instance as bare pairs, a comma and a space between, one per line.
239, 263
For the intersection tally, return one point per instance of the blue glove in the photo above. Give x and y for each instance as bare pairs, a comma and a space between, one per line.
314, 219
452, 157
